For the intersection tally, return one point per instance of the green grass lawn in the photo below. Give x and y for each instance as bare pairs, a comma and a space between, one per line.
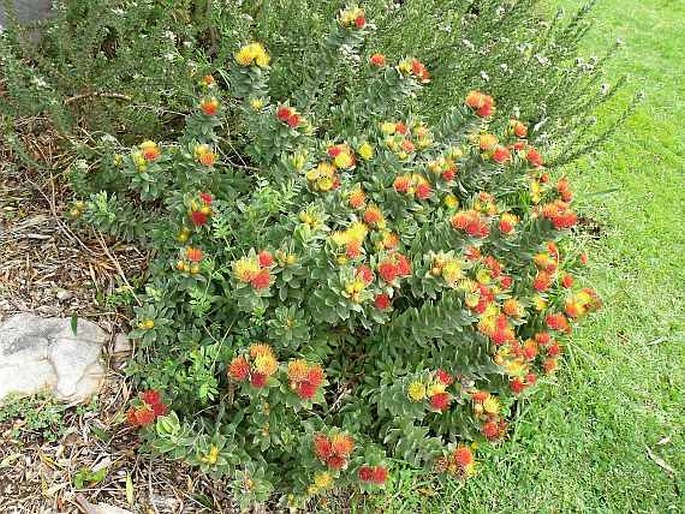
582, 445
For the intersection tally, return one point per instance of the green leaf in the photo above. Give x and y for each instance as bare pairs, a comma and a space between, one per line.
74, 323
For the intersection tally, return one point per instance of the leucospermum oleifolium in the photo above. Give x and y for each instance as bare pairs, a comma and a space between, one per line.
335, 295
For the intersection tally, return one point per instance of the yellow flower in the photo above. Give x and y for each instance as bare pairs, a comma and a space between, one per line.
539, 302
298, 160
257, 103
451, 201
212, 456
254, 53
366, 151
246, 269
357, 231
436, 388
297, 370
416, 391
343, 160
388, 127
491, 405
266, 364
535, 190
452, 272
405, 67
483, 277
323, 480
147, 324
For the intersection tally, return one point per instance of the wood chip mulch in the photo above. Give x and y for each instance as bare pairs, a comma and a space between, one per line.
49, 267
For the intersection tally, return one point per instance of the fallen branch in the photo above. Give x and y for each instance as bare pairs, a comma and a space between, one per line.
83, 96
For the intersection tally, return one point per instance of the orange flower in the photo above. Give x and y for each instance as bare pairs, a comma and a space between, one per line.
150, 150
487, 142
483, 104
560, 214
210, 106
507, 223
471, 222
262, 280
373, 216
377, 60
402, 183
519, 129
193, 254
356, 198
239, 369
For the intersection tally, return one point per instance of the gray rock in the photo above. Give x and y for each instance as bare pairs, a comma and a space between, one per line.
43, 353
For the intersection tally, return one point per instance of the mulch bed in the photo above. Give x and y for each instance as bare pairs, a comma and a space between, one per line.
49, 267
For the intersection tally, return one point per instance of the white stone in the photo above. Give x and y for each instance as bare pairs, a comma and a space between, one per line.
43, 353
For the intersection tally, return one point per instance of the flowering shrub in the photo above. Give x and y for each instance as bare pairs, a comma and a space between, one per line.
326, 297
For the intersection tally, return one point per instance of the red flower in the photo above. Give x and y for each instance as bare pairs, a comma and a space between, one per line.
423, 191
283, 113
258, 380
567, 281
440, 401
444, 377
380, 475
554, 350
517, 385
501, 154
373, 474
382, 301
289, 116
534, 157
506, 282
449, 174
265, 259
531, 378
365, 473
543, 338
306, 390
322, 446
403, 265
360, 21
388, 271
377, 60
198, 218
584, 258
519, 129
543, 281
463, 456
558, 322
336, 462
315, 375
365, 273
151, 397
261, 280
206, 198
491, 430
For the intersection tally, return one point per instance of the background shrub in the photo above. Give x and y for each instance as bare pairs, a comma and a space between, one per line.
129, 68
